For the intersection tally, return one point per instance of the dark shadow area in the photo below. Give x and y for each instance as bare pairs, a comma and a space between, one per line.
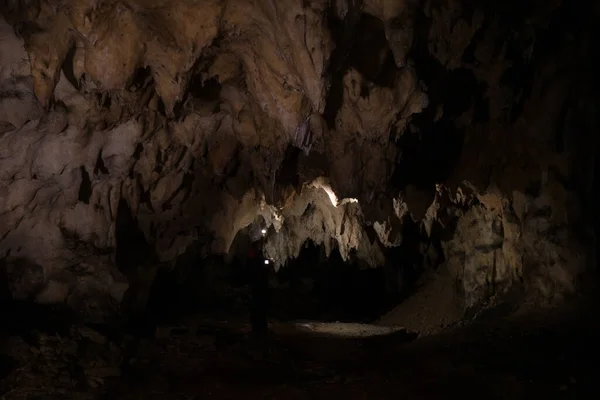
85, 187
316, 287
209, 89
361, 44
196, 285
134, 257
100, 168
370, 54
287, 174
310, 287
429, 153
132, 248
141, 78
205, 285
67, 67
335, 99
22, 316
429, 156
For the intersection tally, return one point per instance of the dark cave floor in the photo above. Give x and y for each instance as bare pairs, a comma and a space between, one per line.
493, 358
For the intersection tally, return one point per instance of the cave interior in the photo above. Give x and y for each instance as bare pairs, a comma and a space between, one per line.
415, 181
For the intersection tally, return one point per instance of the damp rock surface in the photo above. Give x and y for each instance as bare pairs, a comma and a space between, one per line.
150, 128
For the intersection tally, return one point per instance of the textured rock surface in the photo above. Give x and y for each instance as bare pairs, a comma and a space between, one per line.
71, 364
193, 118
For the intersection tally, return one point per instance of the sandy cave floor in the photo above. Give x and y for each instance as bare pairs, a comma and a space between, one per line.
493, 358
498, 359
209, 354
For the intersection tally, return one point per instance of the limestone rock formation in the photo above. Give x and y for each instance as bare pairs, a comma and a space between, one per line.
333, 121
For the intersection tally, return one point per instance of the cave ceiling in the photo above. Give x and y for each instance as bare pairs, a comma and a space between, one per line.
326, 120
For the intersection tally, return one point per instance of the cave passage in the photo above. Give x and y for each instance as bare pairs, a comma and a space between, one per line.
310, 287
316, 287
132, 247
460, 259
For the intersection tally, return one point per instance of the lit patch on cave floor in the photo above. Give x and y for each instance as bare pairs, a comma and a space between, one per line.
332, 196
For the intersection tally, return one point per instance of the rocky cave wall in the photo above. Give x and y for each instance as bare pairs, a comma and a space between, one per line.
331, 119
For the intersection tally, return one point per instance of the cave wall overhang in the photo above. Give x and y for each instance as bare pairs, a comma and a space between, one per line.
110, 101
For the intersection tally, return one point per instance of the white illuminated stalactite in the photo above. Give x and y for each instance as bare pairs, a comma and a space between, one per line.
332, 197
349, 200
276, 255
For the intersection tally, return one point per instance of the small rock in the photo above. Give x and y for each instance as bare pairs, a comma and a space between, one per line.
92, 335
94, 382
